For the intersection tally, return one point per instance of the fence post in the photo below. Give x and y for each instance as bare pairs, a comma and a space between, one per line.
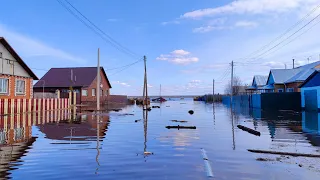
58, 93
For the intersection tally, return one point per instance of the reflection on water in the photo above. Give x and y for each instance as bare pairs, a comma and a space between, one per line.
134, 144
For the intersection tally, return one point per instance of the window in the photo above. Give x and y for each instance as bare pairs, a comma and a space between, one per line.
93, 92
280, 90
3, 85
84, 92
290, 90
20, 86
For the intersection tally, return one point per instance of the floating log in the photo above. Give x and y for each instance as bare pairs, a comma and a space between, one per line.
182, 121
181, 127
284, 153
191, 112
251, 131
155, 106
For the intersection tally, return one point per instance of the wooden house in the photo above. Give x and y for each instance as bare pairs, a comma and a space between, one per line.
16, 78
82, 80
289, 80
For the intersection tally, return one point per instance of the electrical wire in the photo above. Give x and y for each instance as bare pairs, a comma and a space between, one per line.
97, 30
284, 33
124, 68
313, 19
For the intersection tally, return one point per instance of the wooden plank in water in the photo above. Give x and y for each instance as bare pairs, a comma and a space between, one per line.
251, 131
181, 127
284, 153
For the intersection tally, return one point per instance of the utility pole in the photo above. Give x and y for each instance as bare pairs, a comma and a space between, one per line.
213, 91
145, 85
292, 63
98, 82
285, 65
231, 83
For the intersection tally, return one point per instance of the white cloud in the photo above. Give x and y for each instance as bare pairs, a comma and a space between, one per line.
122, 83
206, 29
250, 7
170, 22
274, 65
30, 47
149, 86
180, 52
180, 56
249, 24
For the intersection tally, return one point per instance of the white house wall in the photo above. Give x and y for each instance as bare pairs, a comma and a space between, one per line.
310, 88
10, 69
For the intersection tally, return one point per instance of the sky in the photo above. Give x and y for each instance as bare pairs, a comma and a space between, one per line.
187, 43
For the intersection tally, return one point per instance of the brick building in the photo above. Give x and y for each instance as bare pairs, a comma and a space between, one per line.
16, 78
82, 80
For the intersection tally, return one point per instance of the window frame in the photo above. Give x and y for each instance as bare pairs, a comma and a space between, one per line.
84, 94
7, 89
24, 88
282, 90
290, 89
93, 92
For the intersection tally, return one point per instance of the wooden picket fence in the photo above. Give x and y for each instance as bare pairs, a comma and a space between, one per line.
19, 106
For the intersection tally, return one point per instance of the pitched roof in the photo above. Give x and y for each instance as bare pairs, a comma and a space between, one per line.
261, 80
17, 57
61, 77
315, 72
298, 74
305, 72
280, 76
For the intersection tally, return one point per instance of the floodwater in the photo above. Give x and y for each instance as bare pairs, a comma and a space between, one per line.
114, 147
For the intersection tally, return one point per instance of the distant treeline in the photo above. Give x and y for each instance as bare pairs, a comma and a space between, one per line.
209, 98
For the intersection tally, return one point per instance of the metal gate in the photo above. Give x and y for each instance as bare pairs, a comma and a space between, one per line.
311, 101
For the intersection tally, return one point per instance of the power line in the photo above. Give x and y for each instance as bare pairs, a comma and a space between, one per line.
126, 67
284, 33
313, 19
100, 32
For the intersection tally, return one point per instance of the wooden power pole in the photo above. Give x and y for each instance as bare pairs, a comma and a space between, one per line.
98, 82
145, 85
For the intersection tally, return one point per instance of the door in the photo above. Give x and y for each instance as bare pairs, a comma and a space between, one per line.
311, 101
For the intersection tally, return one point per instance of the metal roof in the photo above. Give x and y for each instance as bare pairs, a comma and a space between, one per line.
61, 77
280, 76
266, 87
305, 72
260, 80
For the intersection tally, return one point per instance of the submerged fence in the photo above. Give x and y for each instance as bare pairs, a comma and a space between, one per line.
267, 101
19, 106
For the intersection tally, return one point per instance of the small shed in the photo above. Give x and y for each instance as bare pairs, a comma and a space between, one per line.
310, 92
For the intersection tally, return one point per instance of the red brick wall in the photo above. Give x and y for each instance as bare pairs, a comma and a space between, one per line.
105, 89
12, 94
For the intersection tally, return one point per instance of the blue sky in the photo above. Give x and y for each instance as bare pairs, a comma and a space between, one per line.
187, 43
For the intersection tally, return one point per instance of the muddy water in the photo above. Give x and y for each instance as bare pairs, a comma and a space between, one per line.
114, 147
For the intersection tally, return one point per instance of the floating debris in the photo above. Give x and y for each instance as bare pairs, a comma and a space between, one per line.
155, 106
191, 112
167, 106
147, 153
251, 131
284, 153
300, 165
181, 127
264, 159
137, 120
182, 121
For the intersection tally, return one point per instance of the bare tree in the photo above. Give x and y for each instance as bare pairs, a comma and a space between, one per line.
238, 86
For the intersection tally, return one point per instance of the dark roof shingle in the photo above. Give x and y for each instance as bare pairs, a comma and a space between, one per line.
61, 77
